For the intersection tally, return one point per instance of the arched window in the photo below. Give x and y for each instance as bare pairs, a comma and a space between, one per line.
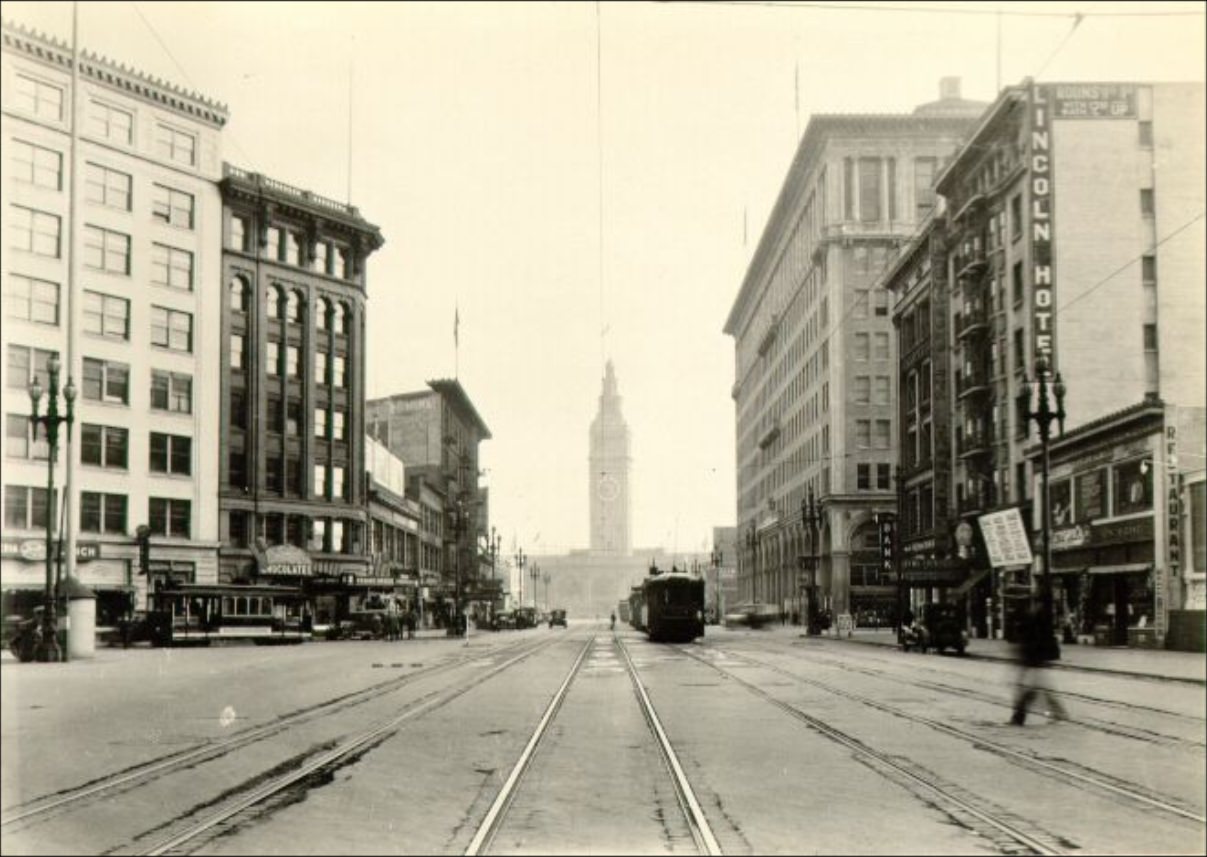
339, 319
321, 309
238, 294
272, 298
293, 306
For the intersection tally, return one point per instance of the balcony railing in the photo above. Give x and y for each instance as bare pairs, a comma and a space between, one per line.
972, 383
972, 443
973, 319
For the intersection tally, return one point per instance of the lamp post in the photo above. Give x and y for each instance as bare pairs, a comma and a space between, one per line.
546, 579
48, 647
535, 572
493, 546
812, 512
520, 560
716, 592
1043, 415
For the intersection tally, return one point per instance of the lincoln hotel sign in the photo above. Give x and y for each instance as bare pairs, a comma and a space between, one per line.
1042, 278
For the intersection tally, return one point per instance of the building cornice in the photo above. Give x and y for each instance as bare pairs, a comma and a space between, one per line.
54, 52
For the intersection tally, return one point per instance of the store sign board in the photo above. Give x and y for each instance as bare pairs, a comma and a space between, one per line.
286, 561
34, 550
1005, 538
1094, 101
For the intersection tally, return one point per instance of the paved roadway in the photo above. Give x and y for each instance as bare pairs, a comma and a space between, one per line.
776, 744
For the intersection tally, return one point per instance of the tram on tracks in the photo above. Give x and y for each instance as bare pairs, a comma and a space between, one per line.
672, 606
198, 614
636, 605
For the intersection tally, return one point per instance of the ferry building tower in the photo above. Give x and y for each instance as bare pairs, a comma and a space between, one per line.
609, 473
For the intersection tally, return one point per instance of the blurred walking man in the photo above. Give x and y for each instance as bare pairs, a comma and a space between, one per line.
1037, 646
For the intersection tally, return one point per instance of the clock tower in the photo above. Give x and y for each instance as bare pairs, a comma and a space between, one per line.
609, 473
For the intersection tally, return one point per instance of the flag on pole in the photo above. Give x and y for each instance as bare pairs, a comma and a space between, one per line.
456, 325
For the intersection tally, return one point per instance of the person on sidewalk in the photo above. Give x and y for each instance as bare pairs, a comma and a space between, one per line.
1037, 646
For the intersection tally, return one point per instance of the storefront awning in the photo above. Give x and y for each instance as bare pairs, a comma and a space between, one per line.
1127, 568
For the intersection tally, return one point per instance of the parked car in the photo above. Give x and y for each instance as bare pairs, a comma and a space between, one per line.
944, 624
751, 615
557, 617
504, 621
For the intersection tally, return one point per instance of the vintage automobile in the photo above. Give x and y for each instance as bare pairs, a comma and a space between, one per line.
557, 617
941, 626
504, 620
754, 615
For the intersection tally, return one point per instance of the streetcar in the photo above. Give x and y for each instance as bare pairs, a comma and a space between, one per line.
622, 611
673, 606
198, 614
636, 608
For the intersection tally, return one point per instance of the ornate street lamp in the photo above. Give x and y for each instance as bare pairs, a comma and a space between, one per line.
752, 546
48, 646
716, 592
546, 579
1043, 414
520, 560
535, 571
812, 514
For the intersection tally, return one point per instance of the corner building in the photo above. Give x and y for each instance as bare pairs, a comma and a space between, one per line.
293, 495
143, 318
814, 357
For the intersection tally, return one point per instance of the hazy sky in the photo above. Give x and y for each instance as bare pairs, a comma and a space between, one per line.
475, 146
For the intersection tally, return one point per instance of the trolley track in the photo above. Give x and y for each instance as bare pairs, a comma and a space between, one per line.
1108, 727
189, 757
1064, 772
697, 823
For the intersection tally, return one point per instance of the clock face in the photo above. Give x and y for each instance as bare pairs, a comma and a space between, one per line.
608, 488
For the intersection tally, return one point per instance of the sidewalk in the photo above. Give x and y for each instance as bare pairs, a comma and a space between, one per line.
1151, 663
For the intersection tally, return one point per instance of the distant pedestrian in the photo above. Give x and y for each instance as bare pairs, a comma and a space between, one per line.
1037, 646
392, 625
410, 623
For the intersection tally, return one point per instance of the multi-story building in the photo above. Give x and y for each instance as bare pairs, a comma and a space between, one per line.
815, 360
293, 490
1065, 236
609, 479
394, 521
437, 433
135, 328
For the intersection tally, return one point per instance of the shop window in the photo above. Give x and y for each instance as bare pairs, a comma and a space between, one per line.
1133, 488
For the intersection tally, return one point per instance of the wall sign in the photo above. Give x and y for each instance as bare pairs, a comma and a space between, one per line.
1005, 538
1043, 281
1094, 101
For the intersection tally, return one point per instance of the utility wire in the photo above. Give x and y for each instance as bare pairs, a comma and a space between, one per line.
913, 9
1060, 47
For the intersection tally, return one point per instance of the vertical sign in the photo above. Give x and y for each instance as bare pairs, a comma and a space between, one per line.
1039, 157
888, 539
1173, 530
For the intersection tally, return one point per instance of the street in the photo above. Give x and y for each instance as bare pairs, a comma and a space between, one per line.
539, 741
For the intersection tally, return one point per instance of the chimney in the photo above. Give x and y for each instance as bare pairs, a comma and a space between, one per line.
949, 88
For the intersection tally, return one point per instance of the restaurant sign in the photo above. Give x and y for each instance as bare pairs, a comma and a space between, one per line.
34, 550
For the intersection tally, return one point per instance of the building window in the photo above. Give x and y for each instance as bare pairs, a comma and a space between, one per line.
293, 307
111, 123
320, 368
863, 434
338, 542
884, 430
1146, 133
892, 188
863, 389
1150, 337
171, 453
34, 231
1016, 216
338, 373
19, 442
337, 425
237, 530
883, 477
25, 507
273, 250
236, 351
337, 483
1147, 205
321, 311
322, 255
292, 249
104, 446
320, 422
848, 189
238, 409
26, 364
37, 165
106, 381
338, 319
171, 329
102, 513
175, 145
106, 250
238, 295
174, 207
869, 190
862, 346
171, 267
318, 535
293, 417
863, 477
106, 315
880, 349
169, 517
107, 187
1133, 488
38, 97
292, 356
924, 187
880, 302
340, 263
880, 393
28, 299
1148, 270
1017, 281
272, 365
320, 480
275, 414
171, 391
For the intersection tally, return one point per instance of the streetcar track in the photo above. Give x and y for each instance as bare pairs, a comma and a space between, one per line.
250, 800
189, 757
697, 824
1136, 733
1104, 783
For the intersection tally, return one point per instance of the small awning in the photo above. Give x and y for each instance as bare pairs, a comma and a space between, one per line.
1127, 568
